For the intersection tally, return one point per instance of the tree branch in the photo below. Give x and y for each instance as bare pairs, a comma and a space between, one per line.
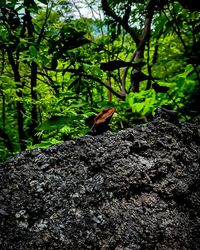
122, 21
150, 8
96, 79
47, 14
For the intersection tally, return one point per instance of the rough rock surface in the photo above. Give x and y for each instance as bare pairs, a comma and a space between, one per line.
135, 189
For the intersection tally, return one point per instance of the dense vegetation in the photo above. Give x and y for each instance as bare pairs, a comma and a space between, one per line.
59, 67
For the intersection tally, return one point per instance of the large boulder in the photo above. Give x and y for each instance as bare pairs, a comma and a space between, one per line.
135, 189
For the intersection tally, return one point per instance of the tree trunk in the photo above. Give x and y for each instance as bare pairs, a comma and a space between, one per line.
34, 67
34, 113
3, 107
140, 42
19, 103
109, 94
141, 46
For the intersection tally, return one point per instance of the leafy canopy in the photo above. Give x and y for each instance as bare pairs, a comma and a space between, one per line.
60, 67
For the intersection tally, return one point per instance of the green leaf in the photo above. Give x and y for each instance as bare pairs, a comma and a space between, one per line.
33, 51
55, 122
159, 24
137, 107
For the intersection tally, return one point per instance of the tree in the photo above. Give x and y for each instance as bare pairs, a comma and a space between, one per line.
59, 69
22, 43
156, 13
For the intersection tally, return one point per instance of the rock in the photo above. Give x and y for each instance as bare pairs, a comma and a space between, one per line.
135, 189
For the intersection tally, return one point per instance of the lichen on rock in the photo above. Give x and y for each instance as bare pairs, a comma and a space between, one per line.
135, 189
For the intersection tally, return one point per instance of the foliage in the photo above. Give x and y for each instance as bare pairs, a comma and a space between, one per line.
58, 70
